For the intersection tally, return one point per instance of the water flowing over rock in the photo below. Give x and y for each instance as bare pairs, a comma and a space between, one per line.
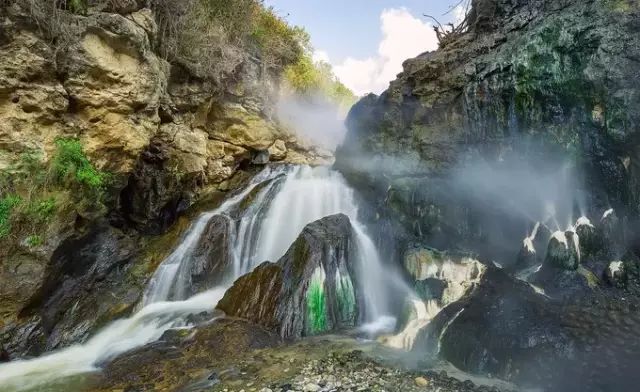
167, 138
310, 290
331, 277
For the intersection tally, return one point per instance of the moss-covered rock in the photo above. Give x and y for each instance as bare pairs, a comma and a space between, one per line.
310, 290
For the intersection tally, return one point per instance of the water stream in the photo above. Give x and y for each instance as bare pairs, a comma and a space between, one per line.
284, 200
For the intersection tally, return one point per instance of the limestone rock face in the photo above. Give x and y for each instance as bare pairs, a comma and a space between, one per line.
166, 137
311, 289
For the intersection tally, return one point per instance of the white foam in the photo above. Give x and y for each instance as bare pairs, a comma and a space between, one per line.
583, 221
561, 238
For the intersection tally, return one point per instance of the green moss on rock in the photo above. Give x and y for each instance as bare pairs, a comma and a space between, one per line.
316, 303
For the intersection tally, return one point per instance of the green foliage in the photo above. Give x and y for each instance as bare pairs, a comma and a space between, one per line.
34, 240
42, 210
35, 191
280, 44
70, 161
78, 6
8, 204
213, 38
307, 78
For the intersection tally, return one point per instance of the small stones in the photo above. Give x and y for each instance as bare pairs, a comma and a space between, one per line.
421, 381
311, 387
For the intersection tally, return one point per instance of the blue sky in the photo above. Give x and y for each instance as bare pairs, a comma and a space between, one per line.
366, 40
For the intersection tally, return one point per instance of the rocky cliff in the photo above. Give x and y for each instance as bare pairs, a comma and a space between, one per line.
526, 121
546, 87
166, 138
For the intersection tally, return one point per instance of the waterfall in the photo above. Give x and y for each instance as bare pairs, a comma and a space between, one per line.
284, 200
171, 279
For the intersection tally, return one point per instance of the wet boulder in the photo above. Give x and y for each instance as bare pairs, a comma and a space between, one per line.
562, 251
590, 241
211, 257
503, 327
310, 290
616, 273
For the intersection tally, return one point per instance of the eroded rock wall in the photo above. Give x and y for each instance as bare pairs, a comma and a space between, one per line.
168, 139
540, 85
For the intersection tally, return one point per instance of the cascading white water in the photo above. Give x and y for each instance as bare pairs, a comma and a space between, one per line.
144, 327
263, 231
170, 279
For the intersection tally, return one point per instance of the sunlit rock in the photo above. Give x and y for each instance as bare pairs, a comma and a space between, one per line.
440, 279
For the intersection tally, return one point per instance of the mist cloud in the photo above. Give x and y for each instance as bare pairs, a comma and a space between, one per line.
314, 119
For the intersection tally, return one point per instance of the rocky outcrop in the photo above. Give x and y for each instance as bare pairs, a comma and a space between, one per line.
520, 119
503, 328
167, 139
310, 290
440, 150
212, 257
188, 359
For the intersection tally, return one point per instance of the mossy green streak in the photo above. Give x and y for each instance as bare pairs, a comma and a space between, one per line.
316, 303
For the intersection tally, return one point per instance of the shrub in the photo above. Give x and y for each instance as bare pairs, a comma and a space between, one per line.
71, 163
309, 78
8, 204
34, 240
280, 45
34, 190
212, 38
42, 210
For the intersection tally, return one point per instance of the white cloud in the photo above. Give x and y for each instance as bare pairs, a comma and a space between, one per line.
403, 36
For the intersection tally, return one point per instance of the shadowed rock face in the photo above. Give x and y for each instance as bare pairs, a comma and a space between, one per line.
211, 256
310, 290
530, 82
502, 327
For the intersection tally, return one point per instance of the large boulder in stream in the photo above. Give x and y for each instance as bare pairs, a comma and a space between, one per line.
503, 327
310, 290
507, 328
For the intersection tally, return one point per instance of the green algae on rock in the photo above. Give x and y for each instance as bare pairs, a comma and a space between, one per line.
309, 290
